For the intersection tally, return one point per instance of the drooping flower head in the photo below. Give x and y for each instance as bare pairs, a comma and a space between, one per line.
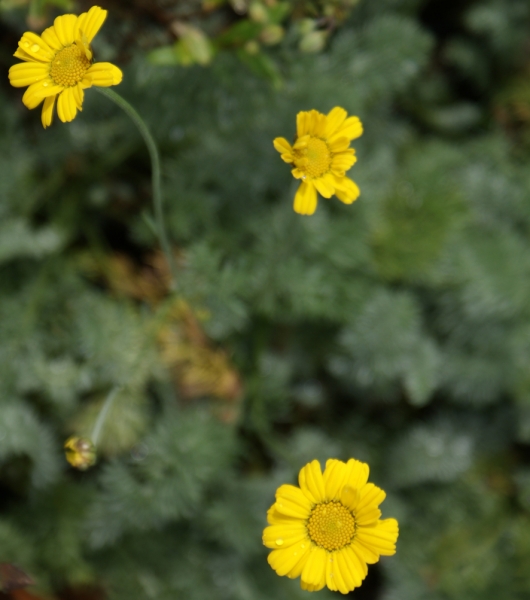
320, 156
328, 530
58, 65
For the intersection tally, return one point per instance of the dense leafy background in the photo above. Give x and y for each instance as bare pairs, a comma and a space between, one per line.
396, 330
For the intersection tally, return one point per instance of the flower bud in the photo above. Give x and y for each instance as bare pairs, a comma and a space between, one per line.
80, 452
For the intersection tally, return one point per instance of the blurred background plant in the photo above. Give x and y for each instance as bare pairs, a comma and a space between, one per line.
396, 330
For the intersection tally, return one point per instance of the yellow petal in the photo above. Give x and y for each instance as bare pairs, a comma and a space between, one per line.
305, 200
47, 88
358, 567
324, 186
79, 95
334, 475
50, 37
292, 502
302, 123
311, 482
66, 30
334, 120
23, 74
343, 161
365, 554
367, 515
25, 56
346, 190
351, 129
277, 518
284, 562
283, 536
339, 144
282, 145
35, 47
30, 99
380, 539
104, 74
297, 173
350, 497
371, 496
90, 22
66, 106
317, 126
344, 575
47, 111
358, 473
314, 572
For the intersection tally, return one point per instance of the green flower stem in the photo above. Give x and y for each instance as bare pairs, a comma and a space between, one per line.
98, 426
156, 175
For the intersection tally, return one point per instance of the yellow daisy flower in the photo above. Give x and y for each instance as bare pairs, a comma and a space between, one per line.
328, 530
321, 156
58, 65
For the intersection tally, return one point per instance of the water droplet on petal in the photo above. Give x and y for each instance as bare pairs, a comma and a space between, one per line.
279, 542
295, 553
45, 84
302, 546
331, 574
35, 48
25, 44
331, 560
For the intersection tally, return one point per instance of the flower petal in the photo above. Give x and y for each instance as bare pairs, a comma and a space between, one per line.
358, 473
367, 515
371, 496
311, 482
324, 186
90, 23
343, 161
365, 554
380, 539
314, 573
47, 111
66, 106
282, 145
66, 30
334, 120
104, 74
305, 200
35, 47
348, 575
303, 120
23, 74
49, 35
349, 497
357, 565
287, 560
31, 99
351, 128
292, 502
79, 96
346, 190
276, 536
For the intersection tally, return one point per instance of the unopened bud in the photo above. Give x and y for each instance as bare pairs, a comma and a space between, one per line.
80, 452
272, 34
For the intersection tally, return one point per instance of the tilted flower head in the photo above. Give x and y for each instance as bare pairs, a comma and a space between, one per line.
321, 156
328, 530
58, 65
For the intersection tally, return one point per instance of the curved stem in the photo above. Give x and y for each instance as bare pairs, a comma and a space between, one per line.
156, 174
103, 414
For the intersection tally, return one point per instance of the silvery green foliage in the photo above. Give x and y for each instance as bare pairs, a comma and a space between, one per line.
395, 330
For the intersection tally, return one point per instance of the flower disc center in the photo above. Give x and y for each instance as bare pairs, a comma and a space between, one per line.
331, 526
69, 66
317, 157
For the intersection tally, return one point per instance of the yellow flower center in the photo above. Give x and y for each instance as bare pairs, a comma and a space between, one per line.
331, 526
315, 158
69, 66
